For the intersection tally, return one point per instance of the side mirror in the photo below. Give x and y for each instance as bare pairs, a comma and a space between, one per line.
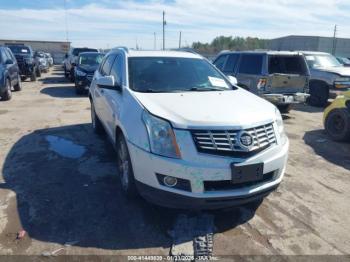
233, 80
8, 62
107, 82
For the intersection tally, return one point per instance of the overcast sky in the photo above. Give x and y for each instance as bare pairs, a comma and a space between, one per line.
108, 23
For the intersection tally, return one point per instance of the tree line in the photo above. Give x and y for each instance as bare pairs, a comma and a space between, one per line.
230, 43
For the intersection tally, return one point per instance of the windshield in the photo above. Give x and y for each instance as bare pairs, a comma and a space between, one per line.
173, 74
77, 51
315, 61
19, 49
90, 59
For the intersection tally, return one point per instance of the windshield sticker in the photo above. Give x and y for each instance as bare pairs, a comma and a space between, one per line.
217, 82
24, 51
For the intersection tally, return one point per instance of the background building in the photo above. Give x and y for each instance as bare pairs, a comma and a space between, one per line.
312, 43
56, 48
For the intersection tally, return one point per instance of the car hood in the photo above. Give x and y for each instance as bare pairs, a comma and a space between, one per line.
223, 109
88, 68
340, 70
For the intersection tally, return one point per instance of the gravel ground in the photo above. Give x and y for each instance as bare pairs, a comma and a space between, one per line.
69, 202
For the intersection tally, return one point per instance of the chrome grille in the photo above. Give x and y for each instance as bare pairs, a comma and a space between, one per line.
227, 141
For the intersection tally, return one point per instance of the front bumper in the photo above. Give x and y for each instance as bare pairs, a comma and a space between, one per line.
82, 82
281, 99
26, 69
339, 88
199, 169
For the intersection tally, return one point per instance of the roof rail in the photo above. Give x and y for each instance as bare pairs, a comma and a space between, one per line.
121, 47
185, 49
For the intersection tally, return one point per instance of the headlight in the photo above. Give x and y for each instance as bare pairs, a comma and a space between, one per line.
79, 72
279, 122
161, 136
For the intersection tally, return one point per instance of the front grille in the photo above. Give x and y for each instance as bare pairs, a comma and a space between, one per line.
228, 185
227, 142
89, 77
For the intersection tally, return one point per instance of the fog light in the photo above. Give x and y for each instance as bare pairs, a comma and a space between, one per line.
170, 181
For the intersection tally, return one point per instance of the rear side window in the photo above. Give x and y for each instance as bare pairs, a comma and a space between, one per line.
251, 64
287, 65
106, 67
231, 63
220, 62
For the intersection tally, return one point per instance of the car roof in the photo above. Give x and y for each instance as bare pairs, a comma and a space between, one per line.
314, 53
268, 52
165, 53
87, 53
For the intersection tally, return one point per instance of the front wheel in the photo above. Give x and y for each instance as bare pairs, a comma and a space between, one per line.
33, 76
96, 123
337, 124
7, 95
284, 109
38, 72
18, 86
125, 171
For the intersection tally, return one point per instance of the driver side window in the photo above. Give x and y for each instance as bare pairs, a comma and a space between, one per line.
107, 65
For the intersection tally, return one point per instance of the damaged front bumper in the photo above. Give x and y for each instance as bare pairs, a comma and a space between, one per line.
281, 99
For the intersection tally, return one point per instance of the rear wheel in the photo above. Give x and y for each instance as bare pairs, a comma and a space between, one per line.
284, 109
319, 93
18, 86
23, 78
125, 171
337, 124
96, 123
7, 95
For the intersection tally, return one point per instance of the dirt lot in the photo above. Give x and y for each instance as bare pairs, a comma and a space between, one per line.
70, 201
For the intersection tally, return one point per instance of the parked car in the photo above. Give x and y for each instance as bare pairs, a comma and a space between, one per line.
85, 68
280, 77
71, 60
28, 65
185, 136
328, 77
42, 61
336, 118
344, 61
49, 59
9, 74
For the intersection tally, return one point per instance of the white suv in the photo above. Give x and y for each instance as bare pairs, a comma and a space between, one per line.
185, 136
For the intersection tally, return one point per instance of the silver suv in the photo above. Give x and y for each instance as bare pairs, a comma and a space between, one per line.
328, 77
279, 77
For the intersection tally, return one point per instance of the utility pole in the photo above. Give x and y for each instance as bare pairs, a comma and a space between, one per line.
180, 40
65, 18
164, 24
334, 40
155, 41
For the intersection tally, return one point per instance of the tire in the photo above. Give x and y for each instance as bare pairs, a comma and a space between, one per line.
284, 109
95, 121
23, 78
7, 95
319, 93
65, 72
33, 76
337, 124
79, 91
18, 86
71, 75
38, 72
125, 170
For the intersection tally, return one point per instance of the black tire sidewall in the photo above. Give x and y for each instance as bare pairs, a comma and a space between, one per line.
131, 190
345, 134
7, 95
319, 93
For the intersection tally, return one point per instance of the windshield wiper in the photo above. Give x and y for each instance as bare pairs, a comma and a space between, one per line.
212, 88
